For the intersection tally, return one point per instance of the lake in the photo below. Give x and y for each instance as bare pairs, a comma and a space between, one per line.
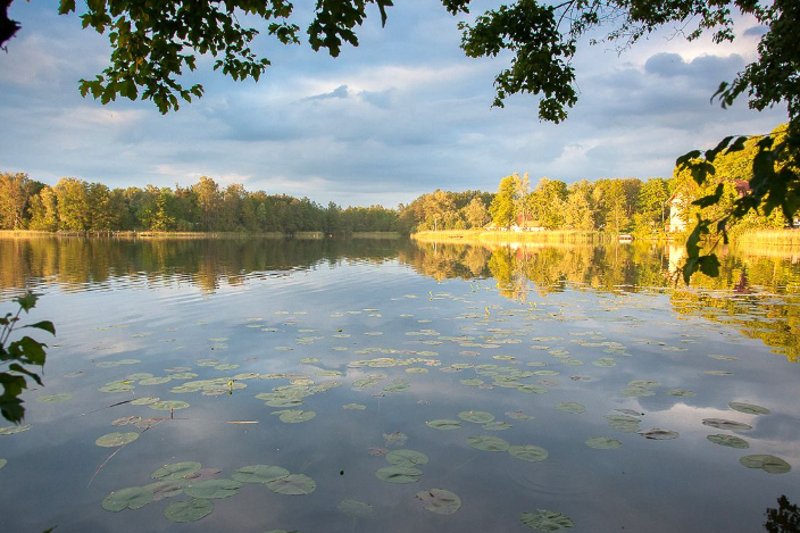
361, 386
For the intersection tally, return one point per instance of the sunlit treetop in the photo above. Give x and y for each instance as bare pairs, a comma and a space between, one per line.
154, 43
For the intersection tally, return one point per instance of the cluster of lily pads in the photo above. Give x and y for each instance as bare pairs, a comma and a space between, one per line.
202, 486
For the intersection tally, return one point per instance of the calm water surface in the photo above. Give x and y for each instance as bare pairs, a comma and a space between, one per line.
362, 347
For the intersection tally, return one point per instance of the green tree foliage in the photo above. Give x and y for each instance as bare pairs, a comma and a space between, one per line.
503, 209
652, 209
44, 211
740, 183
547, 203
19, 355
475, 213
73, 204
153, 43
579, 207
16, 192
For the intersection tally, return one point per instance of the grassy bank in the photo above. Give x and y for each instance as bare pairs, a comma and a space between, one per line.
780, 237
489, 237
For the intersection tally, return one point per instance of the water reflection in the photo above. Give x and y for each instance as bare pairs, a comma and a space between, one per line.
758, 291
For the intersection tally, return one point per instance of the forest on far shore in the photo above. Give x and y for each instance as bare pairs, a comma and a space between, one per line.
613, 204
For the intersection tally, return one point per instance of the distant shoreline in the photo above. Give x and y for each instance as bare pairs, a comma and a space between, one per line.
304, 235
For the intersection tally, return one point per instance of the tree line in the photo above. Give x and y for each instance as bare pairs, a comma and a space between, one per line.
74, 205
618, 205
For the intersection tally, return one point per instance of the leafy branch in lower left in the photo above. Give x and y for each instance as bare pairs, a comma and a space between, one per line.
18, 353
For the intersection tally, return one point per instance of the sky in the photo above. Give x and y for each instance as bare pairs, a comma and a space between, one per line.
403, 114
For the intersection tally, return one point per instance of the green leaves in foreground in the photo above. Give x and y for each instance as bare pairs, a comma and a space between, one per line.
544, 520
17, 354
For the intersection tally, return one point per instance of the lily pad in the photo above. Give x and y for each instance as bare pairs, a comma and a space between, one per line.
145, 400
165, 489
497, 425
571, 407
355, 508
659, 434
721, 423
603, 443
128, 498
54, 398
624, 423
293, 484
3, 462
188, 511
444, 424
169, 405
731, 441
398, 474
354, 406
748, 408
477, 417
176, 471
681, 393
116, 439
488, 443
259, 473
211, 489
544, 520
12, 430
439, 501
410, 458
529, 453
767, 463
295, 416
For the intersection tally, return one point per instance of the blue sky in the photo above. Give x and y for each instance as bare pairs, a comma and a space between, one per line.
403, 114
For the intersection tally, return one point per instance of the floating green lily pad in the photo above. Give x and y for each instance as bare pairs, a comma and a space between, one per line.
128, 498
12, 430
156, 380
165, 489
444, 424
681, 393
169, 405
410, 458
731, 441
3, 462
54, 398
544, 520
528, 452
497, 425
117, 386
749, 408
176, 471
571, 407
294, 416
213, 489
259, 473
477, 417
624, 423
659, 434
488, 443
354, 406
721, 423
398, 474
439, 501
293, 484
603, 443
188, 511
355, 508
145, 400
116, 439
767, 463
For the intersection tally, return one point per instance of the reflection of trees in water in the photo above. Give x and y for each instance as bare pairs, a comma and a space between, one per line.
784, 519
760, 296
74, 262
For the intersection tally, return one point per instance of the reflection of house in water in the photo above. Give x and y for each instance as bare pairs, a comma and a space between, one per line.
676, 253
